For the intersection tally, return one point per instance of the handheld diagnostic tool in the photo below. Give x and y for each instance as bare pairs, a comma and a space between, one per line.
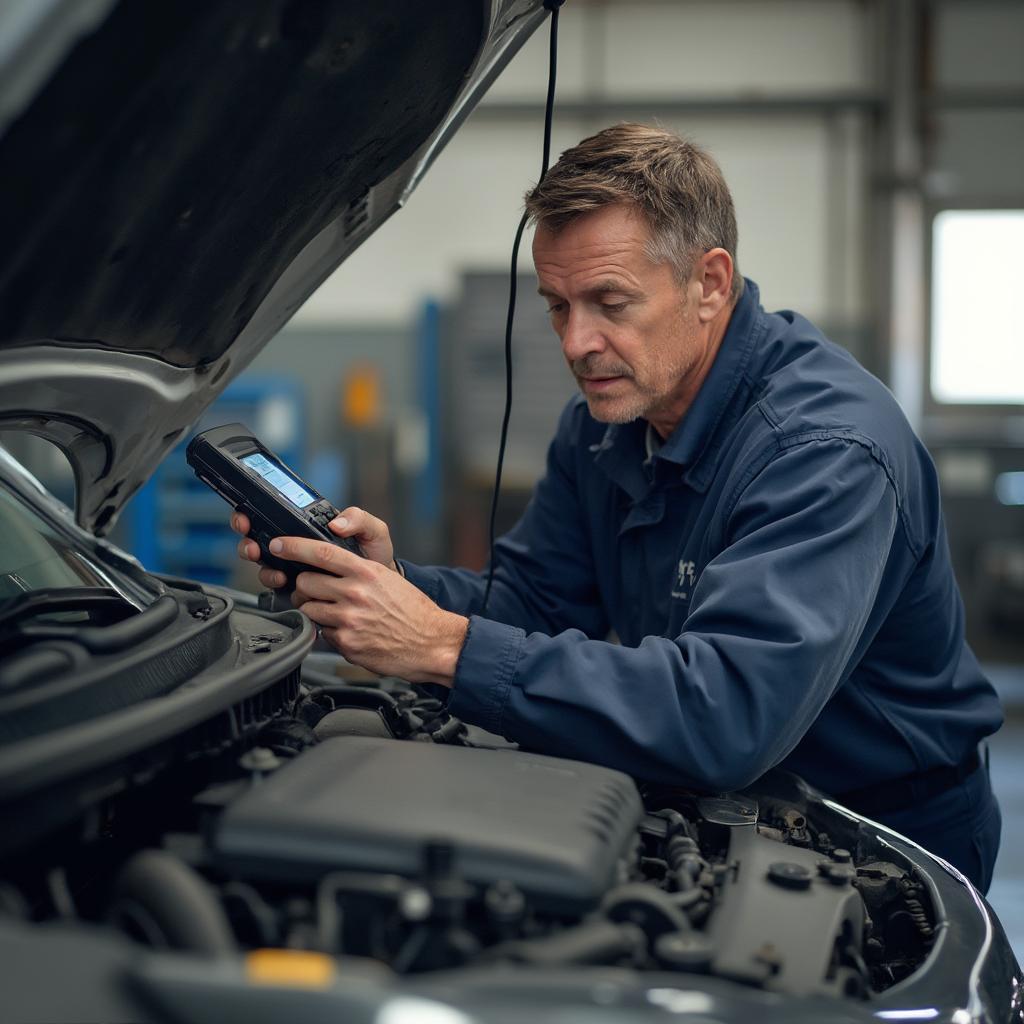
253, 480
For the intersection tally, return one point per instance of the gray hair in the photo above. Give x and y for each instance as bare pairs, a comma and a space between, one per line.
675, 185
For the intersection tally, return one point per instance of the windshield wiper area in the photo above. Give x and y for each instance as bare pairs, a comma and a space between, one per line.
111, 623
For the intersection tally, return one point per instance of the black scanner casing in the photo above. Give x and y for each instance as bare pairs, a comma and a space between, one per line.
215, 455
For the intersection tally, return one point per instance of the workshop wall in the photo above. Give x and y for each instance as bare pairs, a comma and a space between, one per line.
774, 90
821, 114
842, 126
779, 91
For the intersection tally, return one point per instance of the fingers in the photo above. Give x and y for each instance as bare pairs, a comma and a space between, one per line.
249, 550
272, 578
322, 597
323, 613
383, 624
358, 523
320, 554
319, 586
369, 532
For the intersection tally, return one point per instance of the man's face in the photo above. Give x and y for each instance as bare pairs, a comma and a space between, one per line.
628, 330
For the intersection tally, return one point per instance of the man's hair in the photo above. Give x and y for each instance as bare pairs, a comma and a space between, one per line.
674, 185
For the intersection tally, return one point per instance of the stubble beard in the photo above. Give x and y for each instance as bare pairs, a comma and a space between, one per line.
659, 384
609, 408
619, 408
642, 399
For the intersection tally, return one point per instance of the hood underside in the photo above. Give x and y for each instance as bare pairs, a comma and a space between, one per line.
183, 177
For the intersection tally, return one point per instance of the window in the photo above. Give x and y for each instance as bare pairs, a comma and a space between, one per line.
33, 557
977, 344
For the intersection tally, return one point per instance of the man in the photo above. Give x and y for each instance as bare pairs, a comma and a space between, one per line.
736, 498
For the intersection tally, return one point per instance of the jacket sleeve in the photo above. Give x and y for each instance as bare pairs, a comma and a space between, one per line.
544, 579
774, 622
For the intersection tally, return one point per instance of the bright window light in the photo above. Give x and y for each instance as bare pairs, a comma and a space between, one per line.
977, 328
1010, 488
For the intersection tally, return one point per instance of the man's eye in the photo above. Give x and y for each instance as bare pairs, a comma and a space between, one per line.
614, 307
556, 307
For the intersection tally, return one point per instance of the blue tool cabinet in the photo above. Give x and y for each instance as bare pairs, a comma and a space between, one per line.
177, 525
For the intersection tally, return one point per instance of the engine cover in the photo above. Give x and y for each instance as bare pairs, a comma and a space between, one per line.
557, 829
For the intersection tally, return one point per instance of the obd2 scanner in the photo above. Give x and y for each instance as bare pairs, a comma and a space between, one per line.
252, 479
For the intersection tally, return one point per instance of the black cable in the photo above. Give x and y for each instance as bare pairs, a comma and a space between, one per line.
549, 106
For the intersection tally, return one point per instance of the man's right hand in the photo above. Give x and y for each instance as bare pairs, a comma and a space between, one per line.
369, 532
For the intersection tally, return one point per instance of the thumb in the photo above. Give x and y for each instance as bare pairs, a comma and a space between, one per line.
368, 531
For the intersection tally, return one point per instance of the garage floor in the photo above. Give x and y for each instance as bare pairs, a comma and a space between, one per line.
1007, 747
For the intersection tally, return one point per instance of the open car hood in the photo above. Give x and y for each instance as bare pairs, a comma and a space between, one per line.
180, 177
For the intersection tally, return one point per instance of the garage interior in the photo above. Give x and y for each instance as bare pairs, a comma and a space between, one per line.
869, 144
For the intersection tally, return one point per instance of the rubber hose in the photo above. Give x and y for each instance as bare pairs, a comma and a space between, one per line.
174, 898
593, 942
353, 722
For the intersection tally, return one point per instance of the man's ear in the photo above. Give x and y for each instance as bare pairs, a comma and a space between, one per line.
713, 274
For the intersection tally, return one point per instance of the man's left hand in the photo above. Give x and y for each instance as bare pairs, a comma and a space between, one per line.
372, 615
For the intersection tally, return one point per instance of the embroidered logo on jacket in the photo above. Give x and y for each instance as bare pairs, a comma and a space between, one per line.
686, 577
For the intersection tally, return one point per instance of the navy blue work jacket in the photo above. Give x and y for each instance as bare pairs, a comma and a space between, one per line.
778, 576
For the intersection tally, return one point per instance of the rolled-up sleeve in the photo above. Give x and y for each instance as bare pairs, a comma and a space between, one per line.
776, 620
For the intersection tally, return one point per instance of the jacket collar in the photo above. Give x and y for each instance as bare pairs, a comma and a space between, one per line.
691, 446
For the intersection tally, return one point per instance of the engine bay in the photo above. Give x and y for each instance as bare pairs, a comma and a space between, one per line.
364, 821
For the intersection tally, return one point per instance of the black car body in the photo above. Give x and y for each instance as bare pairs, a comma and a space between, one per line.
201, 820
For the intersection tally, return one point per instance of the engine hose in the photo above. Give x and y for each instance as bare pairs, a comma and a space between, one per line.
678, 824
447, 732
699, 912
687, 899
171, 905
647, 907
684, 860
920, 918
853, 954
286, 737
594, 942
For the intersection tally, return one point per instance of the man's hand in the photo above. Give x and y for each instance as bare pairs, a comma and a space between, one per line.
369, 532
373, 616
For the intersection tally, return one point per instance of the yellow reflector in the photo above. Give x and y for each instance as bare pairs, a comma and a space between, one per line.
289, 967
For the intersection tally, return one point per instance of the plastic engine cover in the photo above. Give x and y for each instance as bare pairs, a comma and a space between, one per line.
555, 828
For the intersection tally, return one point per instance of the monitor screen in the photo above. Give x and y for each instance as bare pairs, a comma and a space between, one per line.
280, 479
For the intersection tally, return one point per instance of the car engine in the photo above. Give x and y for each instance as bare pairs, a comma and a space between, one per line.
363, 820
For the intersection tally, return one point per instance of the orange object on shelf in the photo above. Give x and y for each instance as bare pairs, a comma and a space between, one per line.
361, 396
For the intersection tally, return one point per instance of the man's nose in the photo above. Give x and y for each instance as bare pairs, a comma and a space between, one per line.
581, 336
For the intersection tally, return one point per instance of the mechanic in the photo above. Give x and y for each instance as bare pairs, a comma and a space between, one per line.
736, 498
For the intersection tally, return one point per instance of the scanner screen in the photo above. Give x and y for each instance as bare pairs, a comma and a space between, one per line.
280, 479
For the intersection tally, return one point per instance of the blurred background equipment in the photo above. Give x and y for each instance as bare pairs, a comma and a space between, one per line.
874, 150
175, 524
